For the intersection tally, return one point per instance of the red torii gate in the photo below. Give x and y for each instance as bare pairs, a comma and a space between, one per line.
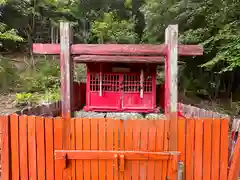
145, 52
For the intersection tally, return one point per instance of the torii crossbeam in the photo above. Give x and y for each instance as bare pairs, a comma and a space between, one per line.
146, 53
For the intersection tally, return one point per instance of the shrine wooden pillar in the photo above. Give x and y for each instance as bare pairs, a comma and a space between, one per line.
171, 83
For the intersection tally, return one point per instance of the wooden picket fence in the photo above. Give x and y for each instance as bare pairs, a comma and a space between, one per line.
32, 148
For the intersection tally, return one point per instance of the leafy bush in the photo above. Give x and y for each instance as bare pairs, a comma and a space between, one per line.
51, 95
45, 75
80, 72
23, 99
112, 29
8, 74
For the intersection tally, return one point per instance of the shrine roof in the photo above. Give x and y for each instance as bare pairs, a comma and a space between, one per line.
123, 59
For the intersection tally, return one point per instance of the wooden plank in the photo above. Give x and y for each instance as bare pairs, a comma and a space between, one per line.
235, 163
40, 148
121, 133
49, 148
32, 148
125, 59
136, 147
5, 145
159, 148
14, 124
224, 149
189, 149
151, 148
165, 148
116, 147
216, 126
94, 146
118, 49
109, 155
79, 146
128, 125
23, 130
181, 138
102, 146
87, 146
171, 41
207, 150
143, 147
172, 167
73, 146
122, 143
198, 158
109, 140
58, 145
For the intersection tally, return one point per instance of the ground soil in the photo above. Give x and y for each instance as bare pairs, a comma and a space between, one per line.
7, 105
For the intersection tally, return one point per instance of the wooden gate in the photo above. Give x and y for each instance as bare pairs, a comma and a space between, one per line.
112, 149
100, 149
105, 149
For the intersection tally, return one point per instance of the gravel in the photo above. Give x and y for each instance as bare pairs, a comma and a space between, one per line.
117, 115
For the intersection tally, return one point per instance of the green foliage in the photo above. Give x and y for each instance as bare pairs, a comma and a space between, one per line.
8, 74
214, 24
39, 84
26, 98
45, 75
7, 33
128, 4
227, 43
80, 72
2, 2
200, 22
111, 29
10, 35
23, 99
51, 95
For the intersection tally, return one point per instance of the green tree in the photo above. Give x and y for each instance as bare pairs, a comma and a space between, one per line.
7, 33
214, 24
112, 29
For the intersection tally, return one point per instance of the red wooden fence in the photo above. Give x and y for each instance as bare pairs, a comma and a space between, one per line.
113, 149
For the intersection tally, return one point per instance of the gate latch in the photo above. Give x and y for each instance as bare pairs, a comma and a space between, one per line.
65, 161
119, 165
122, 163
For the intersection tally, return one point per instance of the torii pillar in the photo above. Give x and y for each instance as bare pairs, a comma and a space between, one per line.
66, 68
171, 84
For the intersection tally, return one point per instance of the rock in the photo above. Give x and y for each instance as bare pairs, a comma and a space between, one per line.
155, 116
124, 116
84, 114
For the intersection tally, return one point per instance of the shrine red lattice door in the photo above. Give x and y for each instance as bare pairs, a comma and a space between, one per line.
137, 96
103, 92
121, 92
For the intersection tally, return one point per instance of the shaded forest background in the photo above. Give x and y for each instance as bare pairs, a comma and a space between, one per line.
210, 81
